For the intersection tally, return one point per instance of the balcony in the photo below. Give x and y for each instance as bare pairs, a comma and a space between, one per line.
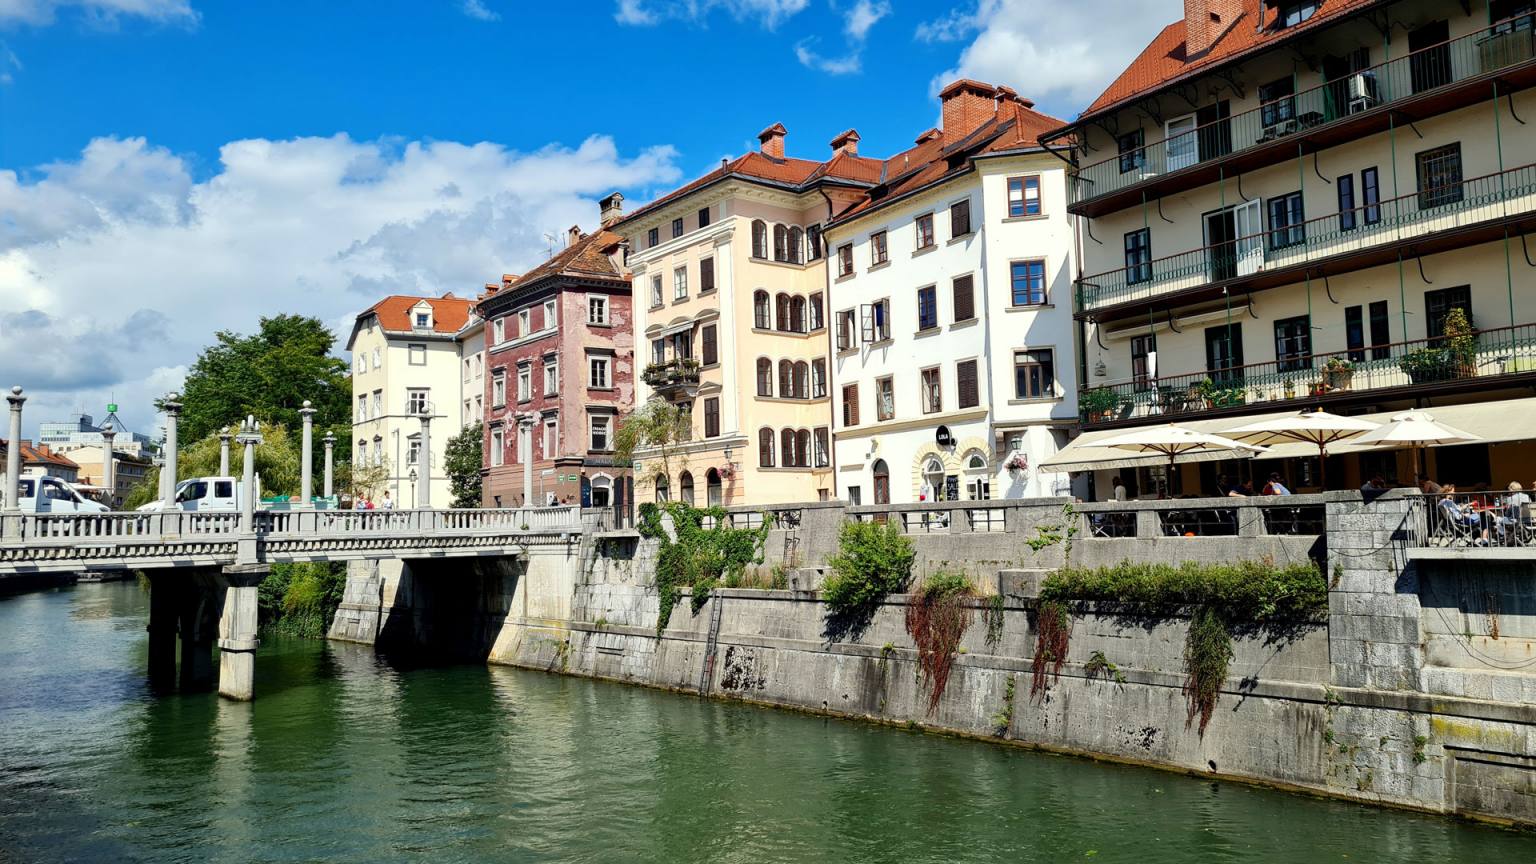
673, 377
1430, 220
1498, 357
1431, 81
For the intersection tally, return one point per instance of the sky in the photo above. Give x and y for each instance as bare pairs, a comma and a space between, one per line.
172, 168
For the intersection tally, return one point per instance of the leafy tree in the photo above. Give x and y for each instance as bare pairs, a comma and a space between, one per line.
658, 431
462, 462
276, 459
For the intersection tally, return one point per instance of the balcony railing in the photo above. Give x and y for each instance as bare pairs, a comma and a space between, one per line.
1427, 211
1499, 46
682, 372
1499, 352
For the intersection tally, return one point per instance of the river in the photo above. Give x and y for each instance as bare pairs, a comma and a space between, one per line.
347, 756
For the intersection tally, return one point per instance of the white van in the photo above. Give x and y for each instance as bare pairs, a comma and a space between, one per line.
202, 494
43, 494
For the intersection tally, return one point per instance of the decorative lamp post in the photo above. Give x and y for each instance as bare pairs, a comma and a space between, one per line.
412, 477
172, 407
109, 464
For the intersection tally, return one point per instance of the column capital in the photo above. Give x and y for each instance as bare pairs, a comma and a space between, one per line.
15, 397
308, 411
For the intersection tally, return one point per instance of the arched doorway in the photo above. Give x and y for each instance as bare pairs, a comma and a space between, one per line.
685, 488
602, 491
663, 492
978, 478
882, 475
714, 491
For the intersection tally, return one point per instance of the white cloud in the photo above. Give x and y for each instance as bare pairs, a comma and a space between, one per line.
768, 13
862, 16
1052, 52
477, 10
116, 268
857, 22
107, 12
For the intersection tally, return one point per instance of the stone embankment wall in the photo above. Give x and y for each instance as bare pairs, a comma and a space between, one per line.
1417, 688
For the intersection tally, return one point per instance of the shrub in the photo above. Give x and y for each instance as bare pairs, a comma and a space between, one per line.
872, 560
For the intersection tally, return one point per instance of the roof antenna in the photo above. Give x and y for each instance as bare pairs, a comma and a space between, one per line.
551, 239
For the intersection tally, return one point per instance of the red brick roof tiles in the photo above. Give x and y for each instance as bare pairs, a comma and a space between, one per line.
394, 312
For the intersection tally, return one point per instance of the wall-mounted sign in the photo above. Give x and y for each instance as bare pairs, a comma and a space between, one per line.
943, 437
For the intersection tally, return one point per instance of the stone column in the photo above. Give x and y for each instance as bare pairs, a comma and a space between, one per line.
13, 452
224, 436
237, 632
307, 467
330, 447
249, 437
172, 406
424, 457
109, 464
162, 630
525, 428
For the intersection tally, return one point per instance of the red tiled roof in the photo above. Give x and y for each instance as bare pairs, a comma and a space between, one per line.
795, 173
448, 312
1165, 60
40, 454
589, 257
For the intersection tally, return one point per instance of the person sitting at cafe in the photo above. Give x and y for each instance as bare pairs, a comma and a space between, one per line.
1513, 511
1464, 515
1426, 485
1275, 486
1119, 488
1377, 483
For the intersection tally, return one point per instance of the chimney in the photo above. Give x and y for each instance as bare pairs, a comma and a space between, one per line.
572, 235
772, 140
611, 209
848, 142
1204, 23
967, 105
507, 279
927, 136
491, 288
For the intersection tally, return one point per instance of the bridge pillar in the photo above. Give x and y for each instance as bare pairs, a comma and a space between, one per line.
307, 466
237, 631
199, 607
13, 452
224, 436
172, 408
163, 615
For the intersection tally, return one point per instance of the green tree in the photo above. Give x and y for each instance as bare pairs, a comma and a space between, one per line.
463, 461
658, 430
276, 461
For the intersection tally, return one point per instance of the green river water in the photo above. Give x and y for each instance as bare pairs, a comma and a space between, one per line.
347, 756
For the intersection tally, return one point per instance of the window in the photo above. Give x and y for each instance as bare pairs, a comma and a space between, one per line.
787, 455
416, 400
682, 345
378, 403
704, 217
524, 322
1293, 12
498, 447
1143, 359
599, 432
885, 398
1354, 333
1277, 112
362, 406
760, 313
663, 493
759, 239
551, 442
1132, 155
786, 379
814, 319
845, 259
1138, 256
1024, 196
1370, 195
376, 360
803, 448
1439, 176
362, 455
1224, 353
677, 227
658, 351
378, 450
878, 252
710, 348
706, 275
597, 377
797, 315
924, 225
656, 290
764, 376
597, 310
931, 391
714, 493
847, 337
781, 312
685, 488
964, 291
927, 308
1028, 279
467, 366
823, 452
712, 417
423, 319
1287, 226
551, 376
796, 243
362, 364
1348, 218
813, 240
960, 218
498, 331
1034, 374
850, 404
876, 325
967, 393
780, 243
549, 315
652, 237
1381, 331
524, 382
1293, 343
765, 447
680, 283
882, 477
855, 496
498, 389
818, 378
1438, 304
978, 485
417, 354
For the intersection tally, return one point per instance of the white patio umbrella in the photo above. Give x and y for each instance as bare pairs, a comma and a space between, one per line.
1415, 429
1174, 441
1310, 427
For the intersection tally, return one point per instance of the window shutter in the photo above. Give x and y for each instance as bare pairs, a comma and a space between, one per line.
867, 323
710, 349
711, 418
706, 274
851, 404
965, 373
965, 304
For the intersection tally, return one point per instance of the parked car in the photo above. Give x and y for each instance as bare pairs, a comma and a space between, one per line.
202, 494
43, 494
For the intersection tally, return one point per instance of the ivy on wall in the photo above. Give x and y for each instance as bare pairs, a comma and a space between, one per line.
699, 557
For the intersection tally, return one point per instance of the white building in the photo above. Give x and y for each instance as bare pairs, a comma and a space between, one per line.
954, 357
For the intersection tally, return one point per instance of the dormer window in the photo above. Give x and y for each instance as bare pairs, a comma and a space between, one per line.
423, 319
1293, 13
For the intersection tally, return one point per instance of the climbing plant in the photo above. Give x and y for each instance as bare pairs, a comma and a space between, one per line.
872, 560
699, 557
1053, 628
937, 618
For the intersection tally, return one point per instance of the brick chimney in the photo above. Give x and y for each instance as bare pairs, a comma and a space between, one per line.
967, 105
572, 236
507, 279
1205, 21
611, 209
848, 142
772, 140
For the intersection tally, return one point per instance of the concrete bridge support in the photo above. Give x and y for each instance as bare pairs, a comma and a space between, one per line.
203, 607
237, 631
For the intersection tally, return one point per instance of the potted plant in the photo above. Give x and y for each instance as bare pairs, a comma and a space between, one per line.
1016, 463
1460, 344
1337, 373
1099, 403
1290, 388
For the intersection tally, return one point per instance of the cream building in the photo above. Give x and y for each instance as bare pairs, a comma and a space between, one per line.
1281, 206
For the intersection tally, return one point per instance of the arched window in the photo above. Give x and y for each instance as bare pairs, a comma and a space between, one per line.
780, 243
882, 476
765, 447
764, 376
796, 241
978, 482
760, 311
803, 448
602, 491
797, 315
786, 380
685, 488
933, 479
714, 492
759, 239
802, 380
787, 448
816, 321
781, 304
662, 491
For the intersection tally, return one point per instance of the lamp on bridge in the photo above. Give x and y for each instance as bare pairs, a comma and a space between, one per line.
412, 477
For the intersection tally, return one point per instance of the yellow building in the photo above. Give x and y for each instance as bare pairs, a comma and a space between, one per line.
1287, 205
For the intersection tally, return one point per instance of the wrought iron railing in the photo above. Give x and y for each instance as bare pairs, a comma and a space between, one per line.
1477, 519
673, 373
1497, 352
1497, 47
1423, 212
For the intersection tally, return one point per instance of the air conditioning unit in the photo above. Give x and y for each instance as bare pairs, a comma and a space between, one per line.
1362, 92
1359, 87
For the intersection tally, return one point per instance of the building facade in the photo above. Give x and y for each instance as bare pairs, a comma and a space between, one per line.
128, 471
406, 363
953, 341
730, 276
560, 371
1312, 204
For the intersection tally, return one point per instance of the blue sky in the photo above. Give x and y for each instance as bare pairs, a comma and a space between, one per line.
173, 167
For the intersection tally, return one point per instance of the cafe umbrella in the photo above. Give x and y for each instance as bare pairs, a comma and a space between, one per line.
1415, 429
1310, 427
1173, 441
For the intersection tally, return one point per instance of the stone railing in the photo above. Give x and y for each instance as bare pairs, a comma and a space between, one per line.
350, 522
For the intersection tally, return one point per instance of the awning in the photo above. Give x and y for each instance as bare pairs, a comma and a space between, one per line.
1505, 420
